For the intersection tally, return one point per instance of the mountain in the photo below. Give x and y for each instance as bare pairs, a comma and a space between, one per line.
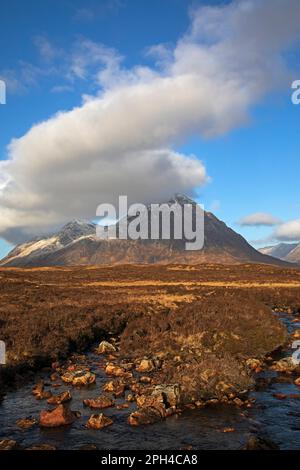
294, 255
35, 251
76, 244
285, 251
280, 251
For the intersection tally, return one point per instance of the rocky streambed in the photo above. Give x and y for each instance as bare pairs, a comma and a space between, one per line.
103, 400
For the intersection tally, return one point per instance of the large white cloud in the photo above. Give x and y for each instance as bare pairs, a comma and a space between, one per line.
120, 142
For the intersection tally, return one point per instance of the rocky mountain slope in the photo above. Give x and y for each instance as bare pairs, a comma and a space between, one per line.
77, 244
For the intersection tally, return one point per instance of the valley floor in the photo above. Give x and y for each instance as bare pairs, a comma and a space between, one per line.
183, 336
48, 313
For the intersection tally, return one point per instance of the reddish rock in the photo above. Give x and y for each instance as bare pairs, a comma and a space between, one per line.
146, 365
8, 444
98, 421
254, 364
79, 378
117, 371
45, 395
296, 334
259, 443
39, 392
105, 348
237, 402
41, 447
68, 377
286, 364
190, 406
160, 404
128, 365
122, 406
61, 398
86, 378
212, 402
280, 396
109, 386
60, 416
200, 404
171, 411
100, 402
26, 423
144, 416
145, 380
226, 430
150, 401
54, 376
115, 387
38, 389
137, 388
112, 357
171, 393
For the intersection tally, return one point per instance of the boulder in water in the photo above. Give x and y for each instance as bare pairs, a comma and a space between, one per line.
117, 371
100, 402
106, 348
8, 444
61, 398
146, 365
26, 423
260, 443
41, 447
146, 415
60, 416
287, 364
297, 382
98, 421
115, 387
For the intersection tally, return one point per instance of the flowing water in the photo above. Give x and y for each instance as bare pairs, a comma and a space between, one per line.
279, 420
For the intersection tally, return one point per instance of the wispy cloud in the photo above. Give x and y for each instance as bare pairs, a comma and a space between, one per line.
83, 61
89, 60
46, 49
100, 10
259, 219
62, 89
84, 15
23, 78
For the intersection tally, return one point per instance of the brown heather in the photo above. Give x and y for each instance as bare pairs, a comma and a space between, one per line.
203, 321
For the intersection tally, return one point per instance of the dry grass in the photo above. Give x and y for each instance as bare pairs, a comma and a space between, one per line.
47, 313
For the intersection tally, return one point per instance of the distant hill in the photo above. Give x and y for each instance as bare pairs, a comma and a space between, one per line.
76, 244
280, 251
285, 251
294, 255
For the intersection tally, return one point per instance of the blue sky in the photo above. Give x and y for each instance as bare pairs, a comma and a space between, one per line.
253, 166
